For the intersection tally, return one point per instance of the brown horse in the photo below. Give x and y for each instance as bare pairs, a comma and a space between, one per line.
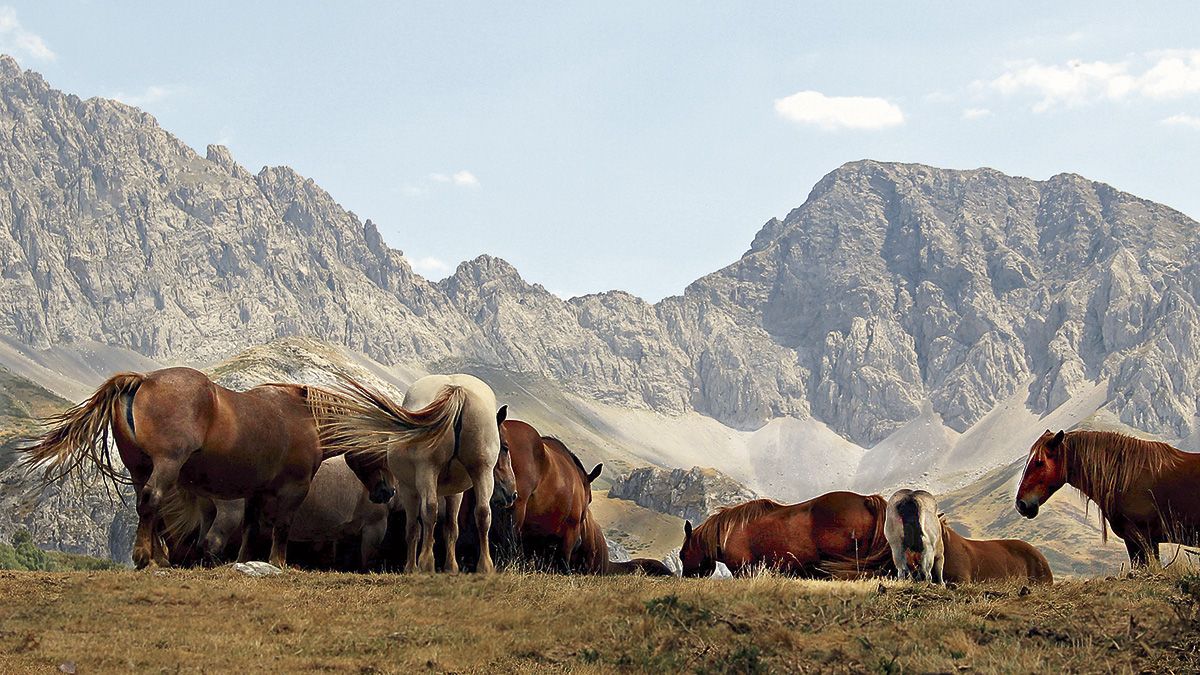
837, 534
553, 493
1146, 491
976, 560
176, 430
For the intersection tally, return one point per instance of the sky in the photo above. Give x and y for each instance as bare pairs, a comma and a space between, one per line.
635, 146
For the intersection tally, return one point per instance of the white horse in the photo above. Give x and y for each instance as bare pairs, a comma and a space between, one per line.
914, 532
463, 452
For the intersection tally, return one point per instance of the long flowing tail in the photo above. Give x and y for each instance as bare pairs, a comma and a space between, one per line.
359, 419
77, 440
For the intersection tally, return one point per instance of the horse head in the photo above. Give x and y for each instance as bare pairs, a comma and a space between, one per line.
1045, 473
694, 554
505, 494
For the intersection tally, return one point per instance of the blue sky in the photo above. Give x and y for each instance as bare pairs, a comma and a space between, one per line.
635, 145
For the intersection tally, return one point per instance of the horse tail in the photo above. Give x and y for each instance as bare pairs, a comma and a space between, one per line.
359, 419
872, 557
183, 516
77, 438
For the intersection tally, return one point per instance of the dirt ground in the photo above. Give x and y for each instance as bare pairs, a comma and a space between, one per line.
221, 621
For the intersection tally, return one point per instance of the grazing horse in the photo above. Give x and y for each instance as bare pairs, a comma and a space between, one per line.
363, 420
914, 534
838, 534
178, 433
553, 493
1146, 490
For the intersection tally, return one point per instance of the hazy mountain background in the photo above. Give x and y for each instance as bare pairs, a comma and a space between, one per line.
904, 325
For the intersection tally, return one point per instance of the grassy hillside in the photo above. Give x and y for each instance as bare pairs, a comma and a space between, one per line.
22, 403
220, 621
643, 532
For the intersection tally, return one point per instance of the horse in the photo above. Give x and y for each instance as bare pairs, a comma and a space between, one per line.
839, 534
553, 493
177, 432
364, 420
978, 560
1145, 490
914, 533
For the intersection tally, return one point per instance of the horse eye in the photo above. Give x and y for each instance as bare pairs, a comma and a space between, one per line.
1038, 463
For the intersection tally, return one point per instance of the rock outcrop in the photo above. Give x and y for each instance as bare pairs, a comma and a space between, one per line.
693, 494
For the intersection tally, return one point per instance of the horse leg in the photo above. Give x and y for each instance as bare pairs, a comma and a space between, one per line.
370, 542
251, 529
1137, 548
149, 547
427, 489
484, 483
279, 512
450, 531
412, 528
938, 566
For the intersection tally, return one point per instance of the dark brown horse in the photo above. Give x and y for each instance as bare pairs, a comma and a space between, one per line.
1146, 491
976, 560
837, 534
553, 493
175, 429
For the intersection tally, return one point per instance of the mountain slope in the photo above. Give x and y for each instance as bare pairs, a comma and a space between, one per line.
903, 310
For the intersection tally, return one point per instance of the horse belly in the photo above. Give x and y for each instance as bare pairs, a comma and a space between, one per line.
227, 475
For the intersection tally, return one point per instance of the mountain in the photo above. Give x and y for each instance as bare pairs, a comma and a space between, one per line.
905, 324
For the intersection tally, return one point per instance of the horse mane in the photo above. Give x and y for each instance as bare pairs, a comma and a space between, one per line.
1105, 464
555, 441
715, 530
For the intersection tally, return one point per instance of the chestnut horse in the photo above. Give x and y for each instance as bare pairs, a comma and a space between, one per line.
838, 534
976, 560
1146, 490
553, 493
364, 420
178, 432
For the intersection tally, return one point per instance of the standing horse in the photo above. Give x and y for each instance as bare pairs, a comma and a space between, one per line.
976, 560
177, 432
553, 493
1146, 490
364, 420
837, 534
914, 534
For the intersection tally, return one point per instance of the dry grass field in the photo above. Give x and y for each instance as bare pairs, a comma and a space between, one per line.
221, 621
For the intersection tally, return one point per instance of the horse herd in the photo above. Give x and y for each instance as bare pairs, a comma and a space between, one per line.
219, 474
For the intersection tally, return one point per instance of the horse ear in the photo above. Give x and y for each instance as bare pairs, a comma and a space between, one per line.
687, 529
595, 472
1058, 438
501, 415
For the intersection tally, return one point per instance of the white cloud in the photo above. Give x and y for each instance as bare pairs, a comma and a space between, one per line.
16, 39
1182, 120
430, 267
148, 96
975, 113
1157, 75
439, 178
839, 112
465, 178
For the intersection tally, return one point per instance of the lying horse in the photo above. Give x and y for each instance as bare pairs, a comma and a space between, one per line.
976, 560
838, 534
1145, 490
177, 431
914, 533
364, 420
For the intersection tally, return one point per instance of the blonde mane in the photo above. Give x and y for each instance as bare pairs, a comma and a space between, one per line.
1103, 465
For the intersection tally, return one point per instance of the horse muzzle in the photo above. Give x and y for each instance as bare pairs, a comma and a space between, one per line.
504, 499
382, 493
1027, 507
